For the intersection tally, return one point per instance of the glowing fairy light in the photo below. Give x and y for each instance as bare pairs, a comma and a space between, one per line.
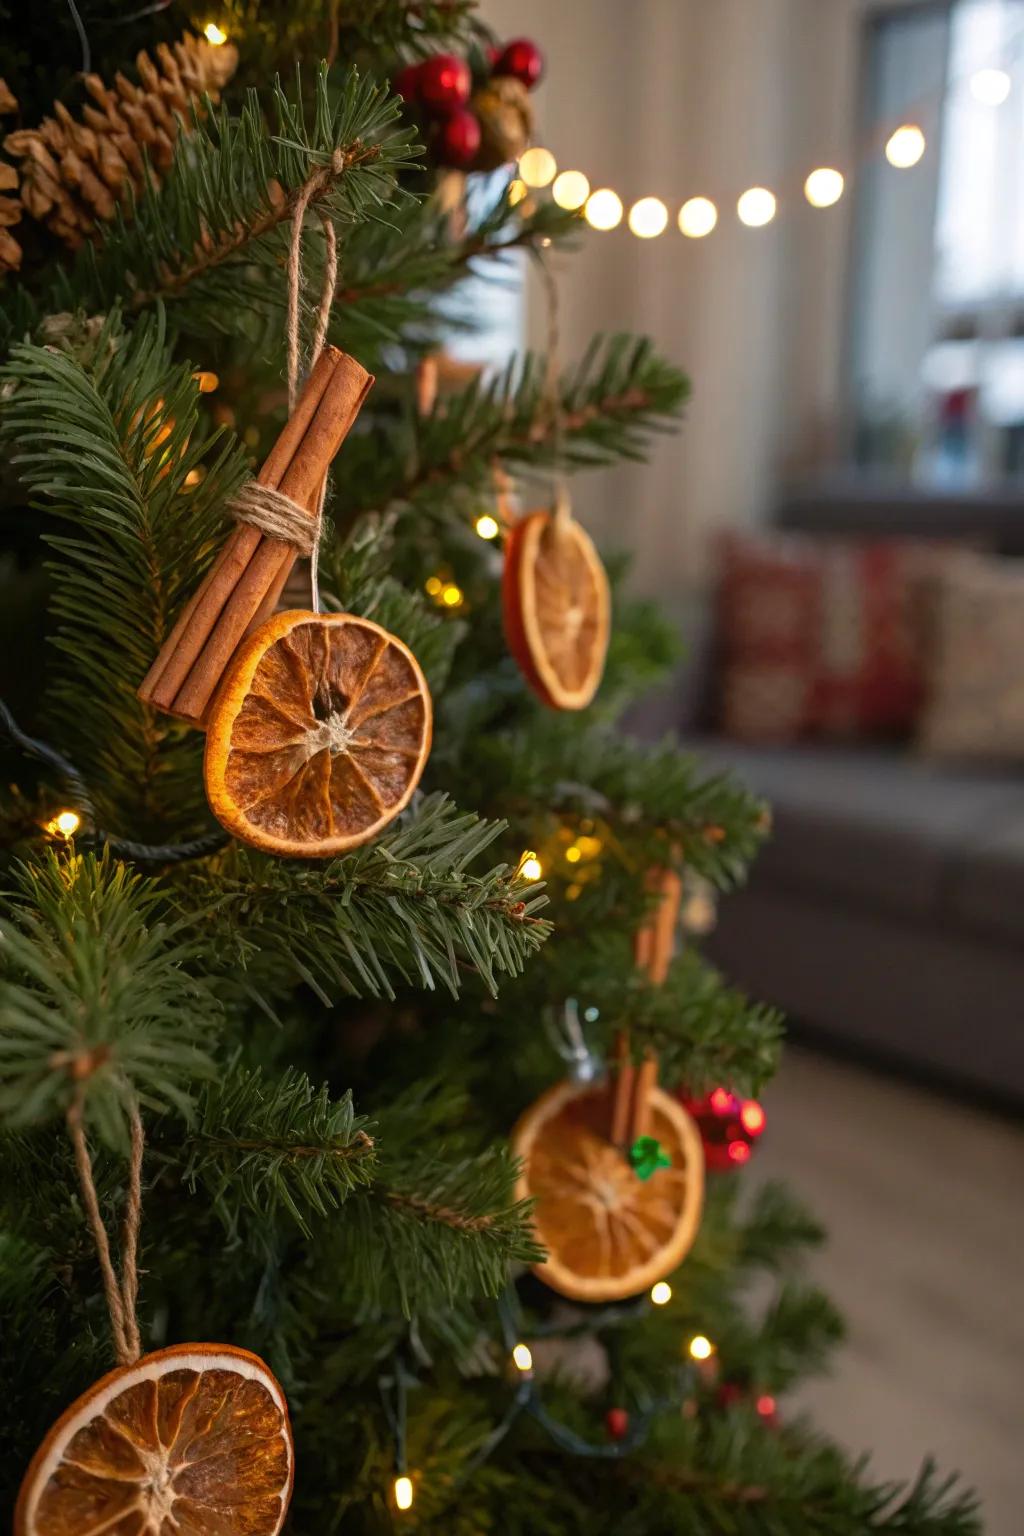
64, 824
403, 1492
648, 218
661, 1293
757, 207
522, 1357
214, 34
603, 209
824, 187
530, 867
487, 526
537, 167
697, 217
700, 1347
571, 190
905, 147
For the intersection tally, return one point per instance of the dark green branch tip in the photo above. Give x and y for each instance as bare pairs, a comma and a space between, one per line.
646, 1156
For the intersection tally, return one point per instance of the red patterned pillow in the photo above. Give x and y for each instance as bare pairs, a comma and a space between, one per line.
821, 637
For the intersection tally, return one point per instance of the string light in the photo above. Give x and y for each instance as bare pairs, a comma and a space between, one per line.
530, 867
661, 1293
571, 189
64, 824
517, 190
756, 207
433, 586
214, 34
824, 187
905, 147
991, 86
451, 596
487, 526
522, 1357
573, 853
403, 1492
739, 1152
697, 217
648, 217
537, 167
700, 1347
603, 209
766, 1405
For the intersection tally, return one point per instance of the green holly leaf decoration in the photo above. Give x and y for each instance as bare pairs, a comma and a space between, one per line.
646, 1156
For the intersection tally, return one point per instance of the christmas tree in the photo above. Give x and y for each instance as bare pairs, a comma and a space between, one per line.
259, 1073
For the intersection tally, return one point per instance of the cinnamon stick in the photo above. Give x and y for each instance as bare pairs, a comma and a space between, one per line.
653, 947
246, 581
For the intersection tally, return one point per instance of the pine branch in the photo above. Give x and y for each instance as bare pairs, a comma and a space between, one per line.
204, 240
99, 996
619, 394
262, 1145
107, 440
403, 906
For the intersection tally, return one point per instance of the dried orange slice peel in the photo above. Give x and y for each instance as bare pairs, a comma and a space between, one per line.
608, 1233
193, 1441
557, 608
318, 735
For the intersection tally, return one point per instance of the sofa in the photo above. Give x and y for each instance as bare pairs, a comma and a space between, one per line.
886, 914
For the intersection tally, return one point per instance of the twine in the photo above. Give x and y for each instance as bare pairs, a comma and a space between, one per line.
316, 183
552, 394
121, 1291
274, 514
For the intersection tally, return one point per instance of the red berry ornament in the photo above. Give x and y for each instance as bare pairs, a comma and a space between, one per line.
523, 60
458, 142
729, 1127
445, 82
616, 1422
407, 82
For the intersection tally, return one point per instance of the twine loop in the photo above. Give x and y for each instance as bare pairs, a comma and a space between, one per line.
120, 1289
317, 183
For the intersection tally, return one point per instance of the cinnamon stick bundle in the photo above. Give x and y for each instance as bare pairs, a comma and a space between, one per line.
246, 581
653, 947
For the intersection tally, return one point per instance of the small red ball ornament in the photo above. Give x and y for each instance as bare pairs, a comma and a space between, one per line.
616, 1421
407, 82
523, 60
729, 1127
445, 83
458, 141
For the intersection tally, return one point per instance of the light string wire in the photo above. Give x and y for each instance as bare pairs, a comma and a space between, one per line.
527, 1397
122, 848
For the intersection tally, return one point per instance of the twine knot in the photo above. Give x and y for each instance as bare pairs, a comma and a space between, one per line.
274, 514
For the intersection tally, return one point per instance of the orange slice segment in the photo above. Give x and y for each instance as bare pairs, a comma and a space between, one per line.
189, 1441
318, 735
608, 1233
557, 609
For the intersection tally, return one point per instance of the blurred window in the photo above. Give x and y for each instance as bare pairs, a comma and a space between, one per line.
937, 344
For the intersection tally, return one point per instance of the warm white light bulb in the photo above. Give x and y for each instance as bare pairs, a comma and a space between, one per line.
905, 147
756, 207
530, 867
603, 209
991, 86
701, 1347
403, 1492
824, 187
571, 189
697, 217
487, 526
523, 1357
214, 34
661, 1293
537, 166
64, 824
648, 217
517, 190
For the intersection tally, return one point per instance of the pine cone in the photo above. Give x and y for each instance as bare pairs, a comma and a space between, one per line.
10, 207
75, 174
506, 121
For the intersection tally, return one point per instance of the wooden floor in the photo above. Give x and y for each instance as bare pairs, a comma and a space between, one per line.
923, 1201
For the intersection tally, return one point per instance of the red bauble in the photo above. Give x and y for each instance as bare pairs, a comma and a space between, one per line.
445, 83
407, 82
616, 1422
728, 1126
458, 140
523, 60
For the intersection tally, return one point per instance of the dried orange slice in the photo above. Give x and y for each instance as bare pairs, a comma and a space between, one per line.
193, 1441
318, 734
557, 608
608, 1233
